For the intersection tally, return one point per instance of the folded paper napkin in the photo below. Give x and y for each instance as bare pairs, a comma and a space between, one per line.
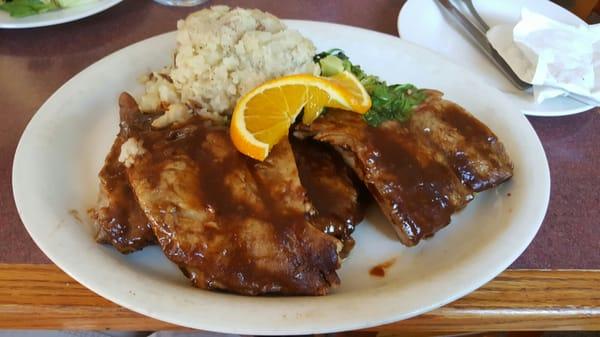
555, 57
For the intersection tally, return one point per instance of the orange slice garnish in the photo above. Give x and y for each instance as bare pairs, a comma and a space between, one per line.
264, 115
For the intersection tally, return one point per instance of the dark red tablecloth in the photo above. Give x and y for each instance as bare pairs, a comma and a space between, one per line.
36, 62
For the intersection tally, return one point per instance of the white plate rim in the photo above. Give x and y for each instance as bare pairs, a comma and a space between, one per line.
294, 328
44, 21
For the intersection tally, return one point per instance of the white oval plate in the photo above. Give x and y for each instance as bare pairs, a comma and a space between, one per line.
63, 147
445, 38
55, 17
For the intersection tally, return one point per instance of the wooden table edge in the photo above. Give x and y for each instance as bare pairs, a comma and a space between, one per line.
34, 296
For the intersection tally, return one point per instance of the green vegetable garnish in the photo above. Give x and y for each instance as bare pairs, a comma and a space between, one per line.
331, 65
22, 8
389, 102
72, 3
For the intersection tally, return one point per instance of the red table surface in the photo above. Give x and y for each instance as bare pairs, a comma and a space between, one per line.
36, 62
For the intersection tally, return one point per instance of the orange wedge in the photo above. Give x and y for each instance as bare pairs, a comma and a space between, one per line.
361, 101
264, 115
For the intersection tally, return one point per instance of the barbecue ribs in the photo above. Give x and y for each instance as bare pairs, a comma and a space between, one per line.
229, 222
421, 171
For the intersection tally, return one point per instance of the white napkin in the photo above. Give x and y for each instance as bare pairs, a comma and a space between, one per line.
555, 57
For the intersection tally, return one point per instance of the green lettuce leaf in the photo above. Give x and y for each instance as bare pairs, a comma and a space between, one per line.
22, 8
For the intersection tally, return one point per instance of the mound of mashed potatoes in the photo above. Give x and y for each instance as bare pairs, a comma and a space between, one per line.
221, 54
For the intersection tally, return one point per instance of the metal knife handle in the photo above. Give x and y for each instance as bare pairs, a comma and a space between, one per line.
475, 13
482, 42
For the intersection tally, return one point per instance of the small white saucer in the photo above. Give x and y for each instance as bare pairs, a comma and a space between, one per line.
422, 23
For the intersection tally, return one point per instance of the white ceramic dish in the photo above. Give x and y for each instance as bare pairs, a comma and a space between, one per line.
447, 39
63, 147
57, 16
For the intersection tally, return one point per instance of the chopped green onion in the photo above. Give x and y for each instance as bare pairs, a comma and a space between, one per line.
389, 102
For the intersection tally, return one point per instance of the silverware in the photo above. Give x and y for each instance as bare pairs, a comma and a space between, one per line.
473, 11
480, 39
482, 42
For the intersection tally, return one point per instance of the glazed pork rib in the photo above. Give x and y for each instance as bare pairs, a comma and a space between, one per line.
471, 149
119, 219
229, 222
421, 171
332, 188
337, 195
